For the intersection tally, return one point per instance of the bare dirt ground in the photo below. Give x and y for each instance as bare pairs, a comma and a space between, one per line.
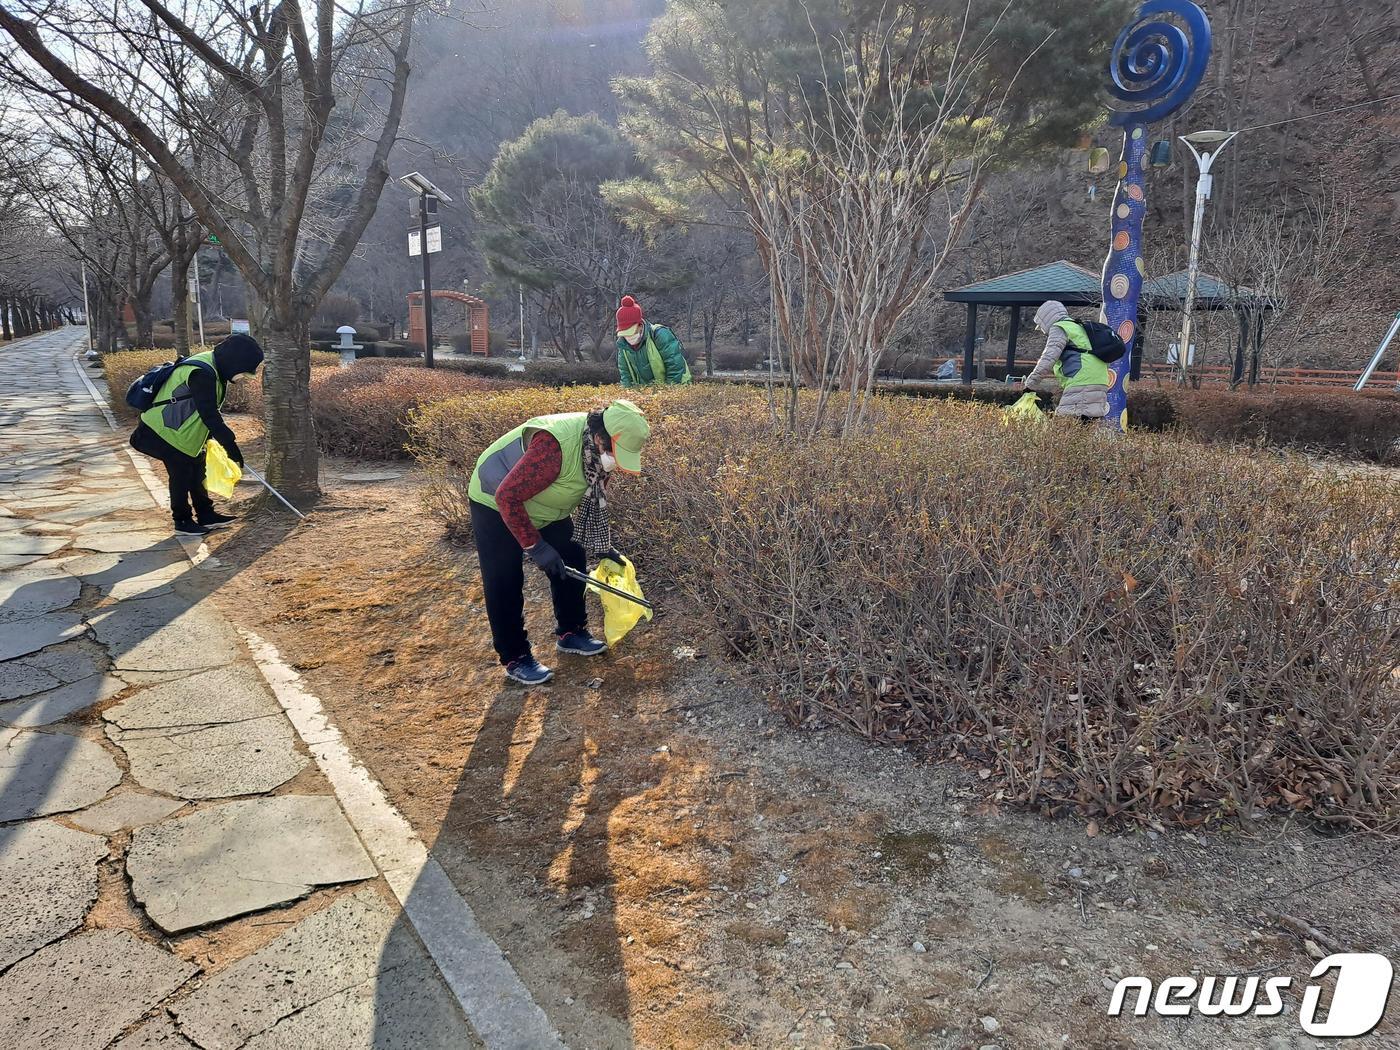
669, 865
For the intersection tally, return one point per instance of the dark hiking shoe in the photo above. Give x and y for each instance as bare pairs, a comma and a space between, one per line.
215, 520
190, 528
528, 671
580, 643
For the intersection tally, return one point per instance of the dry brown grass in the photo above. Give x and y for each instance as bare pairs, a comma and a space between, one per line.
592, 805
431, 723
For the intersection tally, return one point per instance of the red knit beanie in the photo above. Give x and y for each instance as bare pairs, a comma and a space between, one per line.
629, 314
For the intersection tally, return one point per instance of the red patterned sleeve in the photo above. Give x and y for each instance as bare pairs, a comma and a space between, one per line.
537, 470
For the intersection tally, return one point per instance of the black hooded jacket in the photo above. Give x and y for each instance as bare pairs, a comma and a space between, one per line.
237, 355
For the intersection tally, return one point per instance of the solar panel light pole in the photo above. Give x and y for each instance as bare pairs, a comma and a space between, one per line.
1205, 146
427, 192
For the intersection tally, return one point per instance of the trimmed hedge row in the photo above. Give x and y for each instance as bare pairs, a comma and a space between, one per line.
1105, 626
363, 411
122, 368
546, 372
1364, 426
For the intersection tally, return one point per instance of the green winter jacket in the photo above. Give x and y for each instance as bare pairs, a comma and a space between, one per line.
658, 360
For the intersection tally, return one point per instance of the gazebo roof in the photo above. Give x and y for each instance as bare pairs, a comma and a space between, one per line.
1171, 290
1061, 280
1076, 286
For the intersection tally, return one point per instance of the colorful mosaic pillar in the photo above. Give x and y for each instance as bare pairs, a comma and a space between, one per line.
1158, 61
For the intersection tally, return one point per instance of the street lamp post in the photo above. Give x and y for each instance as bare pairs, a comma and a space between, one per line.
199, 296
427, 192
427, 280
87, 311
1210, 144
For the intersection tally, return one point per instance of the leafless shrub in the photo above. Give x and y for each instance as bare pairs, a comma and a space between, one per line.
1109, 626
1295, 262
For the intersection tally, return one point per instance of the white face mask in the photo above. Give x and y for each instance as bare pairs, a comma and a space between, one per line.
609, 463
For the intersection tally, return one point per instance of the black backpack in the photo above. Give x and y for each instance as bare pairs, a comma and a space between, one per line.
141, 395
1104, 342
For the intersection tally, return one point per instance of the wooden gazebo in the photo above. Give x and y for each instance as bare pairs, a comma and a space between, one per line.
1076, 286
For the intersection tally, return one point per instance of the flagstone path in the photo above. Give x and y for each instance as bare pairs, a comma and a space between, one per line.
153, 794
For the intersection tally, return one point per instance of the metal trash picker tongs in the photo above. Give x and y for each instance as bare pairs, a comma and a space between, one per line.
269, 488
591, 582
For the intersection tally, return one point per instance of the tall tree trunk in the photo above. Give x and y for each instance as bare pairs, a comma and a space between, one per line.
553, 319
145, 319
571, 326
6, 332
101, 318
292, 458
257, 327
120, 335
600, 335
113, 326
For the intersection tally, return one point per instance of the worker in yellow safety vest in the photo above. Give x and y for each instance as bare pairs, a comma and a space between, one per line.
183, 416
532, 490
1082, 377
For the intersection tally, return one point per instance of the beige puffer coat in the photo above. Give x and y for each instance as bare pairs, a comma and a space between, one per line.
1088, 401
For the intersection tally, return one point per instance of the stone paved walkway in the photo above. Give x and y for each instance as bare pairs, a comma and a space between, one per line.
158, 814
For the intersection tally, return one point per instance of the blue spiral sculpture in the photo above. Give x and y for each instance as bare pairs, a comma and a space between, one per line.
1156, 65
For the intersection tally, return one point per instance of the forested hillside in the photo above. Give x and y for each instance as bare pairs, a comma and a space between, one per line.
1304, 206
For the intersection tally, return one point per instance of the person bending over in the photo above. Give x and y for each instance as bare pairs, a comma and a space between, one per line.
647, 354
525, 491
186, 414
1083, 378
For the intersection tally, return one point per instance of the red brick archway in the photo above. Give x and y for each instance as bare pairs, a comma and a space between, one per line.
478, 319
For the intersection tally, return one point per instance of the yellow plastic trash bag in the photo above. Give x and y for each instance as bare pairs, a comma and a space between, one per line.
1023, 411
619, 615
221, 474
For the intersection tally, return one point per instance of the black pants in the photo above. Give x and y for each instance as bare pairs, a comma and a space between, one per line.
503, 580
188, 498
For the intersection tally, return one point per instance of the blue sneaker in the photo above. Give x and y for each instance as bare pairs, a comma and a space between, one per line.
528, 671
580, 643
